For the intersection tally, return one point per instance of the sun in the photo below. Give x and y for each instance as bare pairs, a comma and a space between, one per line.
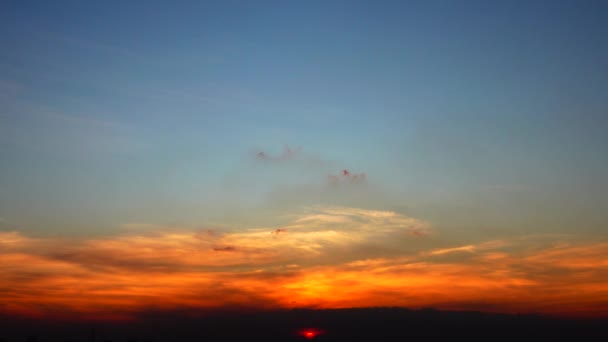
310, 333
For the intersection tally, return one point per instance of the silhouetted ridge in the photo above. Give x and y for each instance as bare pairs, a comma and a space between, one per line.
387, 323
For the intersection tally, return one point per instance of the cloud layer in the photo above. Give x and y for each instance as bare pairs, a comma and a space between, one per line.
311, 261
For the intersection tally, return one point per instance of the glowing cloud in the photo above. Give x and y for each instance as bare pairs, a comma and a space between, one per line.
311, 266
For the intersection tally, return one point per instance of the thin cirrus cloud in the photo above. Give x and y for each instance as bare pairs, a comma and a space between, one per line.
296, 156
287, 154
296, 178
317, 232
309, 263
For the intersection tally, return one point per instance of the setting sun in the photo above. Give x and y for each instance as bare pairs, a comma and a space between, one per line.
310, 333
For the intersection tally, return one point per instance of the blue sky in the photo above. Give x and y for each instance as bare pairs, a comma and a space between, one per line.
483, 118
446, 154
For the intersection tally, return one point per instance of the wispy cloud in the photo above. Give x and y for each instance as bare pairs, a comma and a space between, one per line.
467, 248
295, 155
287, 154
315, 233
346, 176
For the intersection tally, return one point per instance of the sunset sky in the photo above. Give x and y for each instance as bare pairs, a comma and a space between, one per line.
160, 156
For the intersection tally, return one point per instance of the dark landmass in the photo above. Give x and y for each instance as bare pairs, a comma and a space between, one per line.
374, 324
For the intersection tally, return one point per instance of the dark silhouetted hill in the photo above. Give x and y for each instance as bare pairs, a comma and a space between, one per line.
374, 324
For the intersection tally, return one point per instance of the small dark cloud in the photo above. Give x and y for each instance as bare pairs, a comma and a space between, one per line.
287, 154
346, 176
207, 235
224, 249
417, 233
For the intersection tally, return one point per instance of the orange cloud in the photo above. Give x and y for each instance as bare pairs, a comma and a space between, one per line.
541, 281
312, 266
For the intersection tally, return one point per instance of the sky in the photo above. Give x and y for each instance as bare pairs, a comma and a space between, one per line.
209, 155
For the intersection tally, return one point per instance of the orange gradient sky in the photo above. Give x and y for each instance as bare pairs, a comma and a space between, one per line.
313, 261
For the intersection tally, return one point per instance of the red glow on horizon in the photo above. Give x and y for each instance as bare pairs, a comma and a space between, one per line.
310, 333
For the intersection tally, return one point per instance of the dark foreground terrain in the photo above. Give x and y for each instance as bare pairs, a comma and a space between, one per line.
373, 324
